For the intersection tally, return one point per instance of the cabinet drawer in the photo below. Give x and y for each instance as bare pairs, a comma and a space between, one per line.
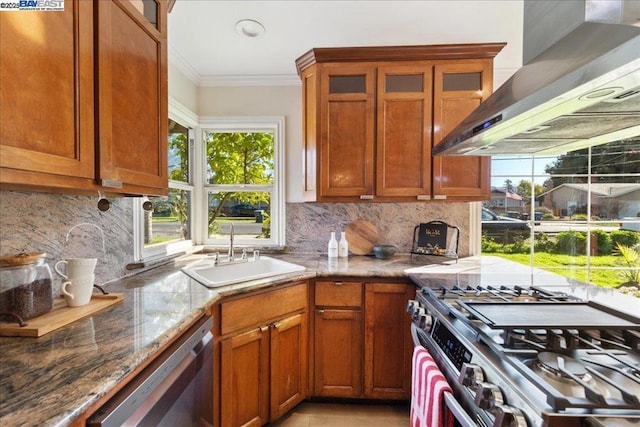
256, 309
339, 294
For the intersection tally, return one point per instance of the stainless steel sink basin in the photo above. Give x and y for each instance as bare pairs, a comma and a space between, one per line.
214, 275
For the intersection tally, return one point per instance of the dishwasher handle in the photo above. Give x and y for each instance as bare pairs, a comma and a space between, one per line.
144, 391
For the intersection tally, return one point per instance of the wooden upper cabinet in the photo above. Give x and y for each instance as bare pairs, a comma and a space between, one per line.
346, 130
46, 95
458, 89
132, 95
403, 142
86, 107
371, 116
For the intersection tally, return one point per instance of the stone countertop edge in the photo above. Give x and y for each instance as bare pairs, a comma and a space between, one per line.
53, 379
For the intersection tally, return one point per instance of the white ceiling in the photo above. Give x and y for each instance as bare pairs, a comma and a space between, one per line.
204, 45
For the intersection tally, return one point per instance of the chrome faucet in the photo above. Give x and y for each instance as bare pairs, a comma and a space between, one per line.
230, 256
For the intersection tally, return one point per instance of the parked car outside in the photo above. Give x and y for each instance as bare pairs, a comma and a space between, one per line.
504, 229
243, 209
630, 223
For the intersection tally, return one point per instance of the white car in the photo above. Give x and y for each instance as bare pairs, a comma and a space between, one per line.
630, 223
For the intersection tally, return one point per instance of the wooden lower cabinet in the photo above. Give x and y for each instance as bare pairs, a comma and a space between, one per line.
245, 380
263, 363
362, 348
387, 341
338, 353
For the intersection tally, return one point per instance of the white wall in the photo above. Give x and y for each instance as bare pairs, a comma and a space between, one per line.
182, 89
264, 101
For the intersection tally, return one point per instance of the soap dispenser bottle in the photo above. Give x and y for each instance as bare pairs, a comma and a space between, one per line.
343, 246
333, 246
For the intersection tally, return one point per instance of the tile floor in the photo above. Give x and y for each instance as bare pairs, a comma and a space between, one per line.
313, 414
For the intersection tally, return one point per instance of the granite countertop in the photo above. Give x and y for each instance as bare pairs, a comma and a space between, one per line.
53, 379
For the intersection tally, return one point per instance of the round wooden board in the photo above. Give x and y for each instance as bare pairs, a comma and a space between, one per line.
362, 236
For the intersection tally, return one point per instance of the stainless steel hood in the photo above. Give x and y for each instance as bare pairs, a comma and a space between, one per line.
580, 91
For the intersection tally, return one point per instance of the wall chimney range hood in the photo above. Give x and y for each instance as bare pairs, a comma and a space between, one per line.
579, 87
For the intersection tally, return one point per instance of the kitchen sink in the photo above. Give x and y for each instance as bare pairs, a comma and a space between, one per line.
215, 275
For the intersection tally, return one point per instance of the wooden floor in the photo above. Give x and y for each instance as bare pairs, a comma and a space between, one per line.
309, 414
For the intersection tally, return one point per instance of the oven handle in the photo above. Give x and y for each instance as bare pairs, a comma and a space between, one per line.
458, 412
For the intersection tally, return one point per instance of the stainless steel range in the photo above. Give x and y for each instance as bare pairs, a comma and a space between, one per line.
528, 356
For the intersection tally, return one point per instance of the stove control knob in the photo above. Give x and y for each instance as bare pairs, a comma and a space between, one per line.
488, 396
411, 305
508, 416
417, 313
470, 375
424, 322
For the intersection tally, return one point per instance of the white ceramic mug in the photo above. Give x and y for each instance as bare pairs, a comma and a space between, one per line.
78, 290
76, 267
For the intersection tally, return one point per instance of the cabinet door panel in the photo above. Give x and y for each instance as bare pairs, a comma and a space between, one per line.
245, 372
289, 339
338, 353
388, 343
404, 131
347, 131
458, 90
132, 95
46, 96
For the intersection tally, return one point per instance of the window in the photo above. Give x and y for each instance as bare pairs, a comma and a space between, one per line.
243, 181
580, 207
165, 224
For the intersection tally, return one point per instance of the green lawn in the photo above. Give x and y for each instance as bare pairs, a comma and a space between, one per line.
575, 266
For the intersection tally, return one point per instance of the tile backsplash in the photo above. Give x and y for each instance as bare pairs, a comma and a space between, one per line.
66, 226
309, 225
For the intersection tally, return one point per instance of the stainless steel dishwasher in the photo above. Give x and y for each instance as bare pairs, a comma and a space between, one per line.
176, 389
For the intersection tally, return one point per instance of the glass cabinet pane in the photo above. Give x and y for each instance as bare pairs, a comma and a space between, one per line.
149, 8
347, 84
462, 81
404, 83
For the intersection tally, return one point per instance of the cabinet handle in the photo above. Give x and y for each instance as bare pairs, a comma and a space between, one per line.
264, 328
440, 196
366, 197
319, 311
111, 183
337, 283
423, 197
276, 325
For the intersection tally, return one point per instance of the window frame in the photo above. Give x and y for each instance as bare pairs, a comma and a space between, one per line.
274, 124
179, 113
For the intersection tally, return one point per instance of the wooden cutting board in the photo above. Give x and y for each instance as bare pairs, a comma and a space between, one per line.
60, 316
362, 236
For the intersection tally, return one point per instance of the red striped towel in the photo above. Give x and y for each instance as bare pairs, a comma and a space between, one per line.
427, 392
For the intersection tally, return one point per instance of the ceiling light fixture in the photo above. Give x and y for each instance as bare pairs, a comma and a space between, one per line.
250, 28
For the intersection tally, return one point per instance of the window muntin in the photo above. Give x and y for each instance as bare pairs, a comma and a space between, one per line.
578, 197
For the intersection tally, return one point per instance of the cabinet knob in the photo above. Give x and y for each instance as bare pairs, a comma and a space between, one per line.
366, 197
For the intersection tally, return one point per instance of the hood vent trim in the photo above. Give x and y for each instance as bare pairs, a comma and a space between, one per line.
580, 92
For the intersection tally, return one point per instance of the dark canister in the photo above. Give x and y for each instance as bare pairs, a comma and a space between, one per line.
26, 285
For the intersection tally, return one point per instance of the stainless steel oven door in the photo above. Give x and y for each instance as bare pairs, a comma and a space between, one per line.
176, 389
461, 418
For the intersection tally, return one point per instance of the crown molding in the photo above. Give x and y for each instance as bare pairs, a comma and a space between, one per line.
183, 65
251, 80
